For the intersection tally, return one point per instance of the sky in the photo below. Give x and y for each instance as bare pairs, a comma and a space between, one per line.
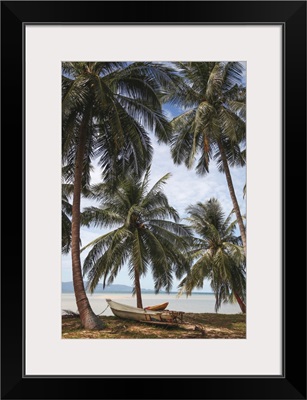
183, 188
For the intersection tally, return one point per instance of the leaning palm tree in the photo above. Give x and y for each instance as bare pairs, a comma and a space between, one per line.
219, 255
213, 123
66, 220
147, 235
67, 191
107, 108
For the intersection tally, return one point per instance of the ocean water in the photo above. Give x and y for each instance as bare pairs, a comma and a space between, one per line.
197, 303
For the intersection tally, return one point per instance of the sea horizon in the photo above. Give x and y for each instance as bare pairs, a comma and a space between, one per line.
197, 302
67, 287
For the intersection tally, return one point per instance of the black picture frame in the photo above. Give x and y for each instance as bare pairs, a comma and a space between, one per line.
292, 16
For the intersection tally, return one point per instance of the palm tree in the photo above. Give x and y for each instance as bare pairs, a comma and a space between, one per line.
106, 109
219, 254
66, 219
147, 235
67, 191
213, 123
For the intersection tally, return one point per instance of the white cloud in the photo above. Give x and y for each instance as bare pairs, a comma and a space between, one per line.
185, 187
169, 115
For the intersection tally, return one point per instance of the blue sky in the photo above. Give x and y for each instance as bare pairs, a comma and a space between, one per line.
183, 188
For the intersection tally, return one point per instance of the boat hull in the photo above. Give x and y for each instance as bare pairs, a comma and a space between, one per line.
139, 314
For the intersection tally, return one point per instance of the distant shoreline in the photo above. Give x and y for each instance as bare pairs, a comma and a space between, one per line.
143, 292
67, 287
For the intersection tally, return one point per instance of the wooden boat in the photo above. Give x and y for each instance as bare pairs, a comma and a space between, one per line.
157, 307
139, 314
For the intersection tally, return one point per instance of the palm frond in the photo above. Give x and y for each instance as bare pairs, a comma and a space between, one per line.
101, 217
218, 254
157, 187
140, 241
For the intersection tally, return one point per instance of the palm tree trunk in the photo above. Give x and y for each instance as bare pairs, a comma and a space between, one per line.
88, 319
137, 286
233, 195
240, 302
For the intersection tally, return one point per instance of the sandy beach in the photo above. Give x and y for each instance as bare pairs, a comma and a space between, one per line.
195, 326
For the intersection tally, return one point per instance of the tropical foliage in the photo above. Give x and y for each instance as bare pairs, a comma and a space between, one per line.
212, 127
67, 191
218, 253
147, 235
66, 219
107, 109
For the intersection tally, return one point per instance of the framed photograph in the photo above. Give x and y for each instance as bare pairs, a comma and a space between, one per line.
244, 65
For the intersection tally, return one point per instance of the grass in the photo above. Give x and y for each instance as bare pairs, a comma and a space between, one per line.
195, 326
